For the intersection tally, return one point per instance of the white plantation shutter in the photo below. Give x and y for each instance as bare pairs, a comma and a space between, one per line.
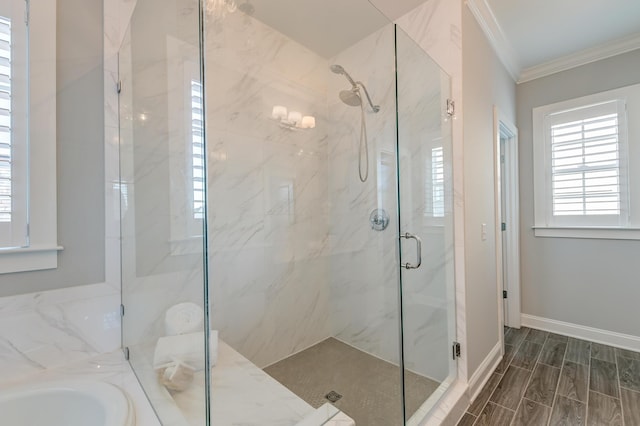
586, 165
197, 150
437, 181
5, 121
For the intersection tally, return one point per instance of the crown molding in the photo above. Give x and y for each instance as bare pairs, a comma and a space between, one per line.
592, 54
501, 45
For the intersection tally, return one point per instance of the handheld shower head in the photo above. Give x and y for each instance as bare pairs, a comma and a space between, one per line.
352, 97
338, 69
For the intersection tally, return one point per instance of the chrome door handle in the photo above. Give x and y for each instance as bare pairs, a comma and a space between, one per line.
418, 247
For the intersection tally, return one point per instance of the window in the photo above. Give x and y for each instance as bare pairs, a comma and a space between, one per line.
185, 111
28, 234
434, 185
5, 120
586, 177
437, 181
197, 150
582, 167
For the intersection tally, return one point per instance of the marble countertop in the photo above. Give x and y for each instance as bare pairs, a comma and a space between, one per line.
242, 393
111, 368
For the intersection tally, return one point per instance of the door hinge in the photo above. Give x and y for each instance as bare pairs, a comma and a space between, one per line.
119, 86
27, 12
456, 350
451, 107
504, 226
121, 310
504, 294
126, 353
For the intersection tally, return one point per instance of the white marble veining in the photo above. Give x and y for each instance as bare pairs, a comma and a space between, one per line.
364, 263
268, 221
45, 330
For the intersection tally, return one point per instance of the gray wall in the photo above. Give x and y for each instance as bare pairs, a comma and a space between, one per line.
587, 282
485, 83
80, 154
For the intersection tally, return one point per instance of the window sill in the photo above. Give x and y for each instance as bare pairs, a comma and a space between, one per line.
34, 258
593, 232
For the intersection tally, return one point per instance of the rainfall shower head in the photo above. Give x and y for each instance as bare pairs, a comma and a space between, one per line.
351, 97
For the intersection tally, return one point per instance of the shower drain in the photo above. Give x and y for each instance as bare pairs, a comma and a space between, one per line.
333, 396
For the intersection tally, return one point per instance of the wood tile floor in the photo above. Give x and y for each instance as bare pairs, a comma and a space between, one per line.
548, 379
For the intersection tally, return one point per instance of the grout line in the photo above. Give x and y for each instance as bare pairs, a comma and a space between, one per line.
535, 366
615, 356
604, 394
555, 395
629, 389
501, 406
586, 404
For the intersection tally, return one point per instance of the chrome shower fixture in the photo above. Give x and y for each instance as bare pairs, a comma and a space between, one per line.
352, 97
338, 69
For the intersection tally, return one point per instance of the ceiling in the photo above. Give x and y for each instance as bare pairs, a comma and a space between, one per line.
538, 36
328, 27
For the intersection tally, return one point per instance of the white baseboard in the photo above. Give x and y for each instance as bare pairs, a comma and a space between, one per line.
618, 340
481, 376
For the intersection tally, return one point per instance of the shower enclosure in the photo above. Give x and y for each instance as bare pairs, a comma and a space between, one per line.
286, 213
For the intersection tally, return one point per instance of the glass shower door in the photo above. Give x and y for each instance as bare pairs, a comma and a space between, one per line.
426, 227
162, 211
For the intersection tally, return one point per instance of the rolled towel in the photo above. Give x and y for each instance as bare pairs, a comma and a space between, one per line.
183, 318
187, 349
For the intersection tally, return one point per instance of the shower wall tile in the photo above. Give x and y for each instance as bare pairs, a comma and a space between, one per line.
44, 330
363, 265
268, 202
436, 27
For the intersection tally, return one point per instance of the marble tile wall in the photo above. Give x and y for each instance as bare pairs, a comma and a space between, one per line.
424, 126
268, 211
154, 127
363, 265
40, 331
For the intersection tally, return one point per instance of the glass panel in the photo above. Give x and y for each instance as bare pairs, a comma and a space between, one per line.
305, 293
425, 190
161, 166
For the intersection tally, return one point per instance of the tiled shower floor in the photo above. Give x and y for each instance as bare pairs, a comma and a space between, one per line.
548, 379
370, 388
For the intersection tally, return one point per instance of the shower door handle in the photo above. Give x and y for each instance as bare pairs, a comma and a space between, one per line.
418, 241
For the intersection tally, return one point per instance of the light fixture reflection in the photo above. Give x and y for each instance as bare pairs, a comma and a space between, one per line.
292, 120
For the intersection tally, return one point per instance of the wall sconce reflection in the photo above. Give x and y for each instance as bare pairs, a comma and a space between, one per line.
292, 120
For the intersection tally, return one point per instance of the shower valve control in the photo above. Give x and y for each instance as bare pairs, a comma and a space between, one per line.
379, 219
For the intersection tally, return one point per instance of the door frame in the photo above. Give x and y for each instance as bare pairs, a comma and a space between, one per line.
509, 270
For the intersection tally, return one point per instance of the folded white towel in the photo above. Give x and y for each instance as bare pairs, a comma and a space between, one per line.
183, 318
187, 349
